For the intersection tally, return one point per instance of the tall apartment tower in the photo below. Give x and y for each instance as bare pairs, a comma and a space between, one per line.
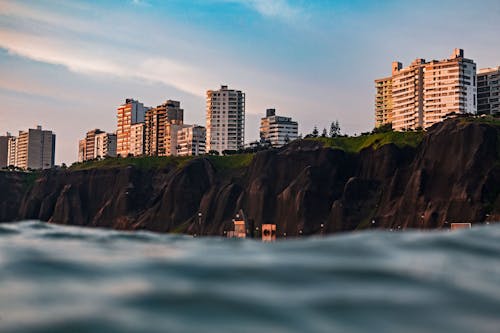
104, 145
35, 149
4, 150
278, 130
225, 119
90, 143
190, 140
137, 138
128, 114
82, 150
424, 93
488, 91
449, 87
157, 120
12, 151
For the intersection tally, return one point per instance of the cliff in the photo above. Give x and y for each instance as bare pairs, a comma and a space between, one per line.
451, 175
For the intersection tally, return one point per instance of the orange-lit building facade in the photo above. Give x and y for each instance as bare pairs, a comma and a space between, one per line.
128, 114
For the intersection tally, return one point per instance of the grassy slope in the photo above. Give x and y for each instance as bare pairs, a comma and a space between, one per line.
155, 162
356, 144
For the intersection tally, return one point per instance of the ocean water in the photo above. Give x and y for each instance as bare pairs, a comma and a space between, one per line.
70, 279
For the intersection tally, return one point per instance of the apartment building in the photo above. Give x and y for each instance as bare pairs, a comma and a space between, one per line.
130, 113
90, 143
383, 101
104, 145
4, 150
225, 116
97, 144
137, 138
449, 87
82, 154
157, 119
278, 130
424, 93
12, 151
34, 149
488, 91
191, 140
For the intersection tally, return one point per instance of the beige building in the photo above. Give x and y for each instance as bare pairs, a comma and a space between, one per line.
488, 91
278, 130
191, 140
82, 154
157, 120
383, 101
128, 114
137, 137
35, 149
90, 144
449, 87
424, 93
225, 119
104, 145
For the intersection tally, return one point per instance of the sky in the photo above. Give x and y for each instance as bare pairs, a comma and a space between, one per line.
67, 65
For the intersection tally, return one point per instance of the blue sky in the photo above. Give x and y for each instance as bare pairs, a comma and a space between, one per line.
67, 65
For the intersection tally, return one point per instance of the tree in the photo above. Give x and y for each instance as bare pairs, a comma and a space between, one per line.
334, 129
323, 135
314, 133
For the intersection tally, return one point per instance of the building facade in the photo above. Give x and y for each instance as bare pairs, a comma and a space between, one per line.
104, 145
424, 93
4, 150
90, 143
449, 87
488, 91
157, 120
12, 151
191, 140
128, 114
82, 153
137, 137
34, 149
278, 130
225, 116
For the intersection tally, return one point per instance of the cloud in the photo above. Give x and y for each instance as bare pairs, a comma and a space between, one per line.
272, 8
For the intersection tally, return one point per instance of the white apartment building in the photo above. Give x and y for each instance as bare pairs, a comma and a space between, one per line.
449, 87
278, 130
34, 149
137, 139
191, 140
104, 145
225, 119
12, 151
424, 93
488, 91
128, 114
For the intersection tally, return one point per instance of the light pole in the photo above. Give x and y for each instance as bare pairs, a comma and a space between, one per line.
199, 223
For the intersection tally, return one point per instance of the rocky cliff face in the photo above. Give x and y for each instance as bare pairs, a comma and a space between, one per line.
452, 176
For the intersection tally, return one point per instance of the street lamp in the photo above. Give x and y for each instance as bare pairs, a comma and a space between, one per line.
199, 222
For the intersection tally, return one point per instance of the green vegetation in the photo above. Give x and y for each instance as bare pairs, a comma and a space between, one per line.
484, 119
357, 143
155, 162
143, 162
231, 161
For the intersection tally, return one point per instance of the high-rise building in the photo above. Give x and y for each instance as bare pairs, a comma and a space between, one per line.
407, 95
4, 150
488, 91
82, 154
383, 101
104, 145
449, 87
424, 93
190, 140
90, 144
225, 119
128, 114
137, 137
12, 151
35, 149
278, 130
157, 119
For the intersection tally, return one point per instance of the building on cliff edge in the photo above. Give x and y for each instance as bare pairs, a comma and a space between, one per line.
488, 91
32, 149
97, 144
278, 130
424, 93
